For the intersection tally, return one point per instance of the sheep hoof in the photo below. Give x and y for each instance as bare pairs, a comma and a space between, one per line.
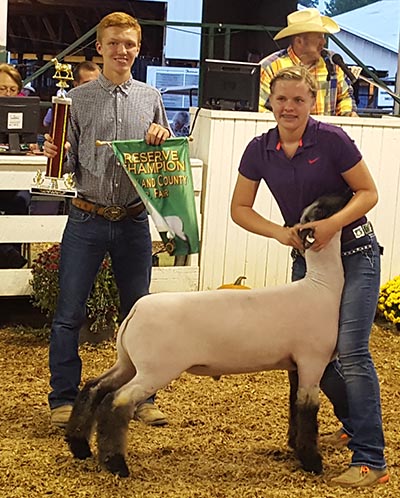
292, 442
312, 463
116, 465
79, 447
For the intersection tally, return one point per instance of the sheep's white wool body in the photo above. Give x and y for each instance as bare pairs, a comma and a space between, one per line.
292, 326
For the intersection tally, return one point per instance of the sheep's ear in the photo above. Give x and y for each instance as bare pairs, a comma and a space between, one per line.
307, 236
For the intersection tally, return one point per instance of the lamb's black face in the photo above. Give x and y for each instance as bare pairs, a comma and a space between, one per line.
313, 212
307, 236
325, 206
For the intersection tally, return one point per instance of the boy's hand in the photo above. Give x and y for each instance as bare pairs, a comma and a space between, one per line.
50, 149
157, 134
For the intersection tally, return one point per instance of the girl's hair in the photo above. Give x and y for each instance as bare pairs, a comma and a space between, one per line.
13, 74
121, 20
295, 73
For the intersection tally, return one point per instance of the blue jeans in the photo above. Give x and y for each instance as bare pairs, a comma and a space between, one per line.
86, 240
351, 383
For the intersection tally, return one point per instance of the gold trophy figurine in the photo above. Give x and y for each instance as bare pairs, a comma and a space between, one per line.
55, 181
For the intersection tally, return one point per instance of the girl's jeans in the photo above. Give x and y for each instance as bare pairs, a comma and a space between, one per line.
351, 383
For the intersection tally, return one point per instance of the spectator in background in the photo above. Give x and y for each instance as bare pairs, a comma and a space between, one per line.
307, 29
10, 81
28, 90
12, 201
83, 73
181, 124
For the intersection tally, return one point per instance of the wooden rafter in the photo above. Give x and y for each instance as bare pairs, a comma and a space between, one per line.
52, 25
74, 23
49, 28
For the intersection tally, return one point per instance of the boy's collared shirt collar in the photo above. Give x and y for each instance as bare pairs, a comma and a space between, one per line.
111, 87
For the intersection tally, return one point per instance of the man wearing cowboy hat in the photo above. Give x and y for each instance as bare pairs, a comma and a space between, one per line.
307, 29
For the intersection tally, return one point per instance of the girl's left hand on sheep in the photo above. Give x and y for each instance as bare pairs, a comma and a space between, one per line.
324, 230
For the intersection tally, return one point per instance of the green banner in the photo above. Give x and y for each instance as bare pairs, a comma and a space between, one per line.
162, 177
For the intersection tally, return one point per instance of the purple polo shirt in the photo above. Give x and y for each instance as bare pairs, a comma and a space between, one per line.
325, 152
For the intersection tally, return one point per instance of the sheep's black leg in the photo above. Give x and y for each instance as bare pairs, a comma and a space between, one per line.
292, 431
80, 424
112, 428
307, 432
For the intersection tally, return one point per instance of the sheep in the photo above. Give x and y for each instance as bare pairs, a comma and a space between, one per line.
216, 333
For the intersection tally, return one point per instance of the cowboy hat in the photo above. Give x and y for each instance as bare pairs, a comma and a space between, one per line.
307, 21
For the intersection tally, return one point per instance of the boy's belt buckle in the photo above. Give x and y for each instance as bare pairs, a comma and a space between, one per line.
114, 213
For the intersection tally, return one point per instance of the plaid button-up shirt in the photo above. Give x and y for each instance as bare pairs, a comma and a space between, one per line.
334, 96
101, 110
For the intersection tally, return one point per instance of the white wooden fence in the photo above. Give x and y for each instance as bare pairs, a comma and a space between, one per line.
227, 251
16, 173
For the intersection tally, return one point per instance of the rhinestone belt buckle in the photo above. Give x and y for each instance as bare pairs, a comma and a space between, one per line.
368, 228
114, 213
362, 230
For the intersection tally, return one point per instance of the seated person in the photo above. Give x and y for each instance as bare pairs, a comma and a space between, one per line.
11, 201
181, 124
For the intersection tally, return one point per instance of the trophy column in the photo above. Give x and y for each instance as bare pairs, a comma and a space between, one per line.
55, 181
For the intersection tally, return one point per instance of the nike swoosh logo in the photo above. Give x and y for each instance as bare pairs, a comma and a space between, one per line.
312, 161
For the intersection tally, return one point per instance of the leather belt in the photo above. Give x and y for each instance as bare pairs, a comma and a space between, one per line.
110, 213
358, 232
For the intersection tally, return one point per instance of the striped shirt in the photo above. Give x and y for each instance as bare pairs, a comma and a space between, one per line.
101, 110
334, 97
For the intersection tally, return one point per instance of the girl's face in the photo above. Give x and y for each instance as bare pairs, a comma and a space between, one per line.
291, 102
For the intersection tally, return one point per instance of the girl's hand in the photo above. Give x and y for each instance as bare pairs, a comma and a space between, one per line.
324, 230
289, 236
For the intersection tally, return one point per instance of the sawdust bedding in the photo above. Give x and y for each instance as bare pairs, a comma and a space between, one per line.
225, 439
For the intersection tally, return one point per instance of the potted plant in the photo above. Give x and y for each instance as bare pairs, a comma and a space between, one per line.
389, 301
102, 305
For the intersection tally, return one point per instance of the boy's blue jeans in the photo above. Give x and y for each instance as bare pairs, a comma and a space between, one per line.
85, 242
351, 383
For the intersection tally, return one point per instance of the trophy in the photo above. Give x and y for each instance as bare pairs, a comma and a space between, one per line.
55, 181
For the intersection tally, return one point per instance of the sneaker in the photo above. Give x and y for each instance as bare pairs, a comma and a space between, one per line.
338, 439
361, 476
149, 414
59, 416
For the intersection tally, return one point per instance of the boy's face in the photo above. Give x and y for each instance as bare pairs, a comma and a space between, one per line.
119, 48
